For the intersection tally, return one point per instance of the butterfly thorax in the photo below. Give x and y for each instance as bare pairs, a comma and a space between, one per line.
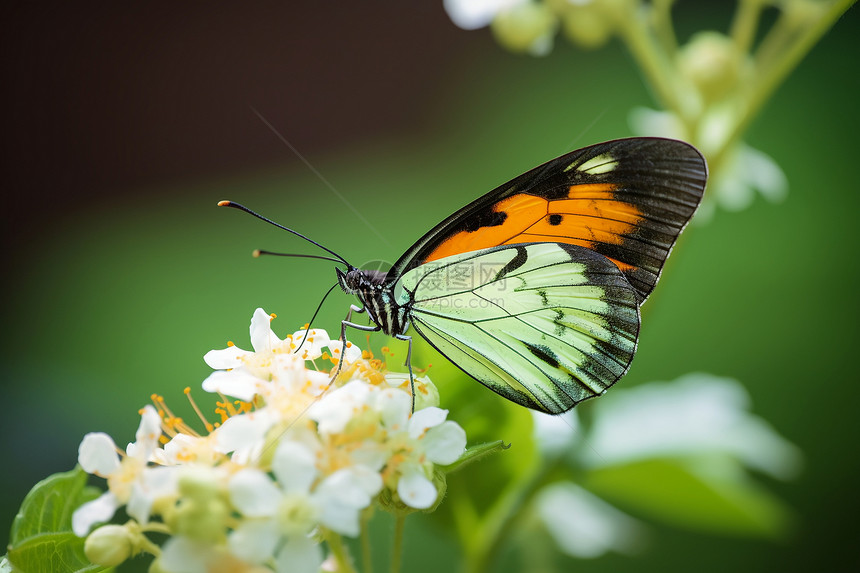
377, 297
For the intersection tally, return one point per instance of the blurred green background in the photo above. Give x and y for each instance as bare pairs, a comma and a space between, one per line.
127, 123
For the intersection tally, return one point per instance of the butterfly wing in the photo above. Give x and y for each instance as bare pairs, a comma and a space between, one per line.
626, 199
545, 325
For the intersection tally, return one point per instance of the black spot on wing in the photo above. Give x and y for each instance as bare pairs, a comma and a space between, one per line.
544, 299
488, 217
554, 219
519, 260
543, 353
560, 327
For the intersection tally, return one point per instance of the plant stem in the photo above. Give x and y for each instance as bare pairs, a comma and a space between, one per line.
777, 71
498, 520
745, 24
657, 67
366, 557
662, 15
339, 551
397, 546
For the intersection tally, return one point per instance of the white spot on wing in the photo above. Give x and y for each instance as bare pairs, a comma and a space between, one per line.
603, 163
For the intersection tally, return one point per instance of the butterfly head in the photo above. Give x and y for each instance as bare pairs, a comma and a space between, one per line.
356, 281
348, 280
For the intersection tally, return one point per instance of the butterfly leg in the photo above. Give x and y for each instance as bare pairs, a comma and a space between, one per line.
356, 309
343, 325
408, 339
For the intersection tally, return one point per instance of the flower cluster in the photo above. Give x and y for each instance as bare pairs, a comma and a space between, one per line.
710, 88
295, 459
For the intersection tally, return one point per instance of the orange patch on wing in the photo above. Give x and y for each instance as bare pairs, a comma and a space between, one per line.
589, 215
522, 211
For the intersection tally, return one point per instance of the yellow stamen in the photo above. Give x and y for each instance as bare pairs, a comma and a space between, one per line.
206, 423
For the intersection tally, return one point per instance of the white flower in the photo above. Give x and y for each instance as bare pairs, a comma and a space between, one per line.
262, 363
130, 481
744, 170
183, 555
426, 393
416, 443
522, 26
701, 421
555, 434
583, 525
474, 14
293, 505
381, 434
696, 416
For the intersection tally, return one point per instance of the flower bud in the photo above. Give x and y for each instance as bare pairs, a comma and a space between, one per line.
109, 545
201, 520
710, 60
587, 25
199, 484
525, 28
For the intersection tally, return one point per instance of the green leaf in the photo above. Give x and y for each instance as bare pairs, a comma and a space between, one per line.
41, 538
683, 495
475, 453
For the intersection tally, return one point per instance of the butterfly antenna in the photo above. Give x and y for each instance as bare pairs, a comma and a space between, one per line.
259, 253
311, 321
296, 233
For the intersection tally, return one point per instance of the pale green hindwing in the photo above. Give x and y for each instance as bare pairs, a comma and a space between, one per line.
546, 325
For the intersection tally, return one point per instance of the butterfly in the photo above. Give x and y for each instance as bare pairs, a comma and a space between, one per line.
534, 289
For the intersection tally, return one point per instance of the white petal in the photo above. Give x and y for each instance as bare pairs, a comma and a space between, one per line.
311, 348
474, 14
422, 420
226, 358
343, 495
583, 525
645, 121
237, 383
445, 443
318, 382
294, 466
337, 408
98, 510
182, 555
139, 504
148, 432
353, 352
262, 337
763, 173
697, 415
153, 484
254, 493
394, 406
351, 486
299, 555
415, 490
242, 431
97, 454
555, 435
340, 518
254, 541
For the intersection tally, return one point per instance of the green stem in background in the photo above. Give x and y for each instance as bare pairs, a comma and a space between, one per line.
366, 556
656, 65
397, 546
773, 73
498, 521
745, 24
339, 552
661, 12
